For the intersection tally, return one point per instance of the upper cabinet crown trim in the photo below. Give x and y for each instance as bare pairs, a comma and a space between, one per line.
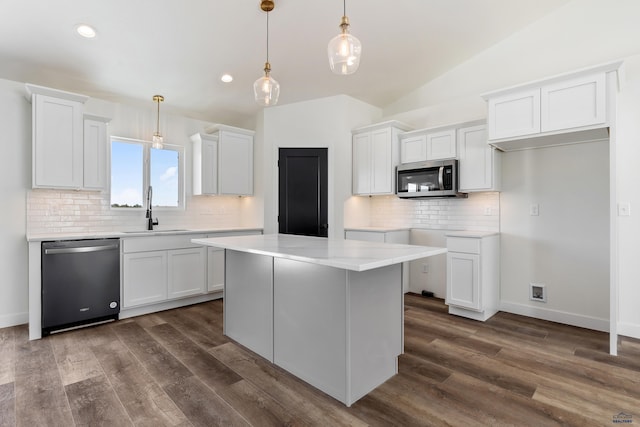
41, 90
218, 128
388, 124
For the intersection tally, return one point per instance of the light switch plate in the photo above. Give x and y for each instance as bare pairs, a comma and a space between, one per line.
624, 209
534, 209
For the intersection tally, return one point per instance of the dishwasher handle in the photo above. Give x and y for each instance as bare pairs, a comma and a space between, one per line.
81, 249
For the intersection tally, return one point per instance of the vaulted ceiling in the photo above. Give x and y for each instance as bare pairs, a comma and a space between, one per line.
180, 49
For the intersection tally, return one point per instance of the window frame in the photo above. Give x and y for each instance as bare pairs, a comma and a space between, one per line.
146, 174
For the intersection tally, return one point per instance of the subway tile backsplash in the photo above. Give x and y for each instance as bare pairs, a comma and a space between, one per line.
478, 212
55, 211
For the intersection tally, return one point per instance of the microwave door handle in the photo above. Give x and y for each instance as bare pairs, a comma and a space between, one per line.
441, 178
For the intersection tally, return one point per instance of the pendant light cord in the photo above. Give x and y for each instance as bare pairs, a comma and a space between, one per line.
344, 8
267, 36
158, 118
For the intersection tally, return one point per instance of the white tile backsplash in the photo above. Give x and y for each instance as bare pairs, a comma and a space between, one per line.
55, 211
478, 212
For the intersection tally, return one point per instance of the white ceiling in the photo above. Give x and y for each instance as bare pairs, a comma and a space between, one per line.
180, 48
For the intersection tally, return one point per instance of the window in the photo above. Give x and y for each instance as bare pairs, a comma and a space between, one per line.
135, 166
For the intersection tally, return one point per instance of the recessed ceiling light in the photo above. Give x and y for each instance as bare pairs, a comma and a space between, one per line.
227, 78
86, 31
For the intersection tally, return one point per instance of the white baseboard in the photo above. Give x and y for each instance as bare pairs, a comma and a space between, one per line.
557, 316
14, 319
629, 330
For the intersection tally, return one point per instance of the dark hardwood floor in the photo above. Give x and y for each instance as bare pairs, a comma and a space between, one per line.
176, 368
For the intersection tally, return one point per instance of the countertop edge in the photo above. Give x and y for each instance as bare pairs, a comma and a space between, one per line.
419, 252
142, 233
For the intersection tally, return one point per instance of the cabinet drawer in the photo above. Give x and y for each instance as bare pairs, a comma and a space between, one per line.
465, 245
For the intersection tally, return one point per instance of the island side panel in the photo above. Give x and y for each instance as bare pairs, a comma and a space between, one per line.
375, 328
248, 301
310, 324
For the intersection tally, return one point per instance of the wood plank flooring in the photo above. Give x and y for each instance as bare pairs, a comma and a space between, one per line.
176, 368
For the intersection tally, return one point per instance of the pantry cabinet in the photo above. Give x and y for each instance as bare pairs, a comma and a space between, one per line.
376, 153
223, 162
479, 163
473, 276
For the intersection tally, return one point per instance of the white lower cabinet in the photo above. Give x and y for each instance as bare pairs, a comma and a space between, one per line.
158, 271
162, 268
144, 278
215, 270
473, 276
187, 271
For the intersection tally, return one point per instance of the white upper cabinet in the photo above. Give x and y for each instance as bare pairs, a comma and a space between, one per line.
57, 138
376, 153
479, 163
223, 162
428, 144
514, 114
573, 103
441, 144
413, 148
95, 154
563, 109
70, 148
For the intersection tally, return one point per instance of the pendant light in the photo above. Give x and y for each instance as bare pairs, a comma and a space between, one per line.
344, 49
266, 89
157, 137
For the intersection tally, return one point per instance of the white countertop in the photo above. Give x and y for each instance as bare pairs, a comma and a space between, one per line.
471, 234
352, 255
134, 233
377, 229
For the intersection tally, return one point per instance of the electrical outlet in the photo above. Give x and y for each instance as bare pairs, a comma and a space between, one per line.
487, 210
425, 268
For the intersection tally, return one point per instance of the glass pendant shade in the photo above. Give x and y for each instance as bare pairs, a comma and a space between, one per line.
344, 51
266, 90
157, 141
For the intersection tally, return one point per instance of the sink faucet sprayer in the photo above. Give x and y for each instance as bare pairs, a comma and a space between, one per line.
149, 216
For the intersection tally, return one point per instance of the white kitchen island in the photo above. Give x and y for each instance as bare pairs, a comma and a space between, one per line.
328, 311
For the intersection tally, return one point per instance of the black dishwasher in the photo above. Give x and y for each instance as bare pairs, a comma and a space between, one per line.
80, 283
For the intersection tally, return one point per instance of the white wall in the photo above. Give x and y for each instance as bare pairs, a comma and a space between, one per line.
15, 178
566, 246
580, 34
325, 122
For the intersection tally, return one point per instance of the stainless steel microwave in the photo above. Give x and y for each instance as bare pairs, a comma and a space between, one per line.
436, 178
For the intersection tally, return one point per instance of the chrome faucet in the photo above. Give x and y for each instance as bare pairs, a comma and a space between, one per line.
149, 216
